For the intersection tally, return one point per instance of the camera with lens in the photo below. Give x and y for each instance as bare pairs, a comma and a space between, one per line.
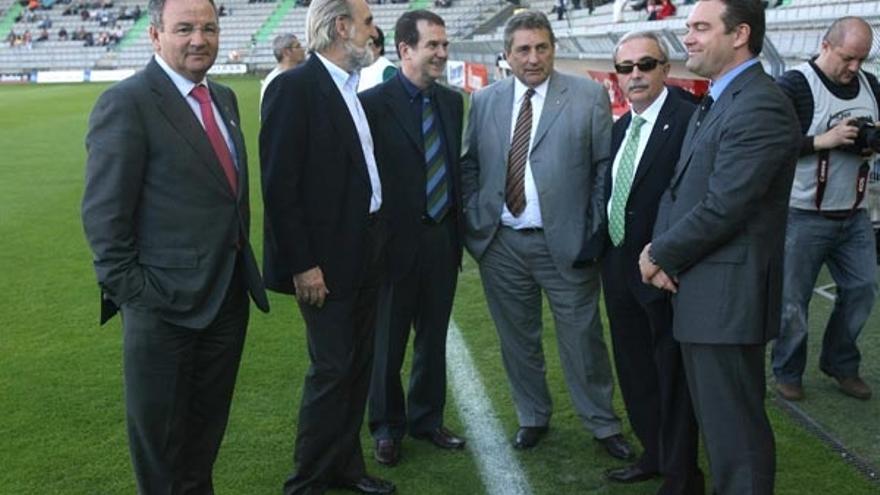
868, 137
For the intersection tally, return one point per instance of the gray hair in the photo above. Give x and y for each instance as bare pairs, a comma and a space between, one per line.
642, 35
156, 7
530, 20
280, 43
321, 22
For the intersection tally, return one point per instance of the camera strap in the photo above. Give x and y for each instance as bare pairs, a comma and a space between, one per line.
822, 182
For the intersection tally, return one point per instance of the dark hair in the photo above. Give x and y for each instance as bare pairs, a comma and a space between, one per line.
527, 19
749, 12
156, 7
379, 40
407, 31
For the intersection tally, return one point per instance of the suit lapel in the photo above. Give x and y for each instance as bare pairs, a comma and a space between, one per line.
557, 97
398, 101
334, 106
503, 101
227, 113
663, 128
719, 108
180, 116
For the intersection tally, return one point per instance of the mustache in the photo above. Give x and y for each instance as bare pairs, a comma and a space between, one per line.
636, 85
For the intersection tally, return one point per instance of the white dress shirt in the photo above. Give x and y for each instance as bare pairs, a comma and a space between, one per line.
531, 215
347, 85
650, 115
185, 86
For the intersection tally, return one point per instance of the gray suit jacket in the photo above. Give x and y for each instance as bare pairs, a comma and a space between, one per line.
158, 212
721, 224
569, 157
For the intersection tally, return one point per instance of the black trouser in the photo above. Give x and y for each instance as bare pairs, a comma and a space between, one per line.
178, 388
340, 342
652, 379
421, 299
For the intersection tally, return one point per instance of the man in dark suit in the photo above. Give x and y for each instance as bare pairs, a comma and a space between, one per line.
325, 238
718, 240
165, 210
646, 143
417, 125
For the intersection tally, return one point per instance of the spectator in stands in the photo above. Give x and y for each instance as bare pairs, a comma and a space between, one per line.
660, 9
166, 187
44, 35
381, 69
559, 8
443, 3
828, 222
62, 34
289, 53
222, 11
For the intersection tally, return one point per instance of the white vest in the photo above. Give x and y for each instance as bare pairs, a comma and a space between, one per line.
843, 167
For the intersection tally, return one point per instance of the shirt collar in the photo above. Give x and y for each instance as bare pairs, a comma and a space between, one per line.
716, 89
651, 113
182, 84
411, 89
340, 77
519, 89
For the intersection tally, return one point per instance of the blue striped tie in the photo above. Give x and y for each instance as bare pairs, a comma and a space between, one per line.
436, 184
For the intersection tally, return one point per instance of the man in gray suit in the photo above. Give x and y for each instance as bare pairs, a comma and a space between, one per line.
538, 146
165, 211
719, 237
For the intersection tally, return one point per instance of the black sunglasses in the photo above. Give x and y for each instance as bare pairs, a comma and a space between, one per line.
646, 64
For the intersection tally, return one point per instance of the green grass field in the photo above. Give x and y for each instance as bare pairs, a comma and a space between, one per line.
62, 420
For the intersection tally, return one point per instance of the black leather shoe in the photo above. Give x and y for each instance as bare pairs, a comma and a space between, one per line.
367, 484
629, 474
387, 451
528, 436
443, 438
617, 447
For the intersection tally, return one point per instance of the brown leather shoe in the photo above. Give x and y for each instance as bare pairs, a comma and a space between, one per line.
387, 451
790, 391
854, 386
443, 438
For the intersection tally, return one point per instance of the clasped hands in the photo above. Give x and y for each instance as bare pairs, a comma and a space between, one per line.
653, 274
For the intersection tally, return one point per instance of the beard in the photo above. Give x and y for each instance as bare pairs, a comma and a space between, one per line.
358, 58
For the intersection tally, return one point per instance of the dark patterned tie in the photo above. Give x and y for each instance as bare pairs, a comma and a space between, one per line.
519, 153
436, 184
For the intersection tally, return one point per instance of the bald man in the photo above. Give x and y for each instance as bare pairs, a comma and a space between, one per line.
828, 222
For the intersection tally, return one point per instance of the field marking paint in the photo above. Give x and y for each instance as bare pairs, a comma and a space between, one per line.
825, 291
499, 468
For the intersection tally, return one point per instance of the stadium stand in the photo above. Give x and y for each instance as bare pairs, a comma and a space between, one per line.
475, 26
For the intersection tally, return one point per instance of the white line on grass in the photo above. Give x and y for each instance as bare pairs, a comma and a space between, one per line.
825, 291
499, 468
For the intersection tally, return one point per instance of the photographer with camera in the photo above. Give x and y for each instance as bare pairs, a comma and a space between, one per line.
837, 106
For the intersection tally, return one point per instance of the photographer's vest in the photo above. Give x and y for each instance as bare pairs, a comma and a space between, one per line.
835, 186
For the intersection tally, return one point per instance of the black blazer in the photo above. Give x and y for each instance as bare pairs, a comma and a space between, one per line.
399, 148
316, 189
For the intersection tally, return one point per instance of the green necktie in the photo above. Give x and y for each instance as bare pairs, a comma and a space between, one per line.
623, 181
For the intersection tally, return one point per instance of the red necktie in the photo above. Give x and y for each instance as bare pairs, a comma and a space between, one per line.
200, 93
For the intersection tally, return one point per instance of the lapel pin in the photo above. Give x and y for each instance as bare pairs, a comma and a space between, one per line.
666, 127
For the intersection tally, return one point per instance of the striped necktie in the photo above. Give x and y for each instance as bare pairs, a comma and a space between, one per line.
436, 182
623, 181
516, 159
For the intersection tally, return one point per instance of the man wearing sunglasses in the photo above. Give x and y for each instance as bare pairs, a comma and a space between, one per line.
645, 144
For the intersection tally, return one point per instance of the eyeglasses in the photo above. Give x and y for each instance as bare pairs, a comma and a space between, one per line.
646, 64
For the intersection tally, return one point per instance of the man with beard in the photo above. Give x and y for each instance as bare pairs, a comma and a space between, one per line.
417, 125
324, 238
718, 240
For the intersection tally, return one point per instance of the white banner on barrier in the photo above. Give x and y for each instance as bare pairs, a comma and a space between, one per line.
110, 75
228, 69
60, 76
